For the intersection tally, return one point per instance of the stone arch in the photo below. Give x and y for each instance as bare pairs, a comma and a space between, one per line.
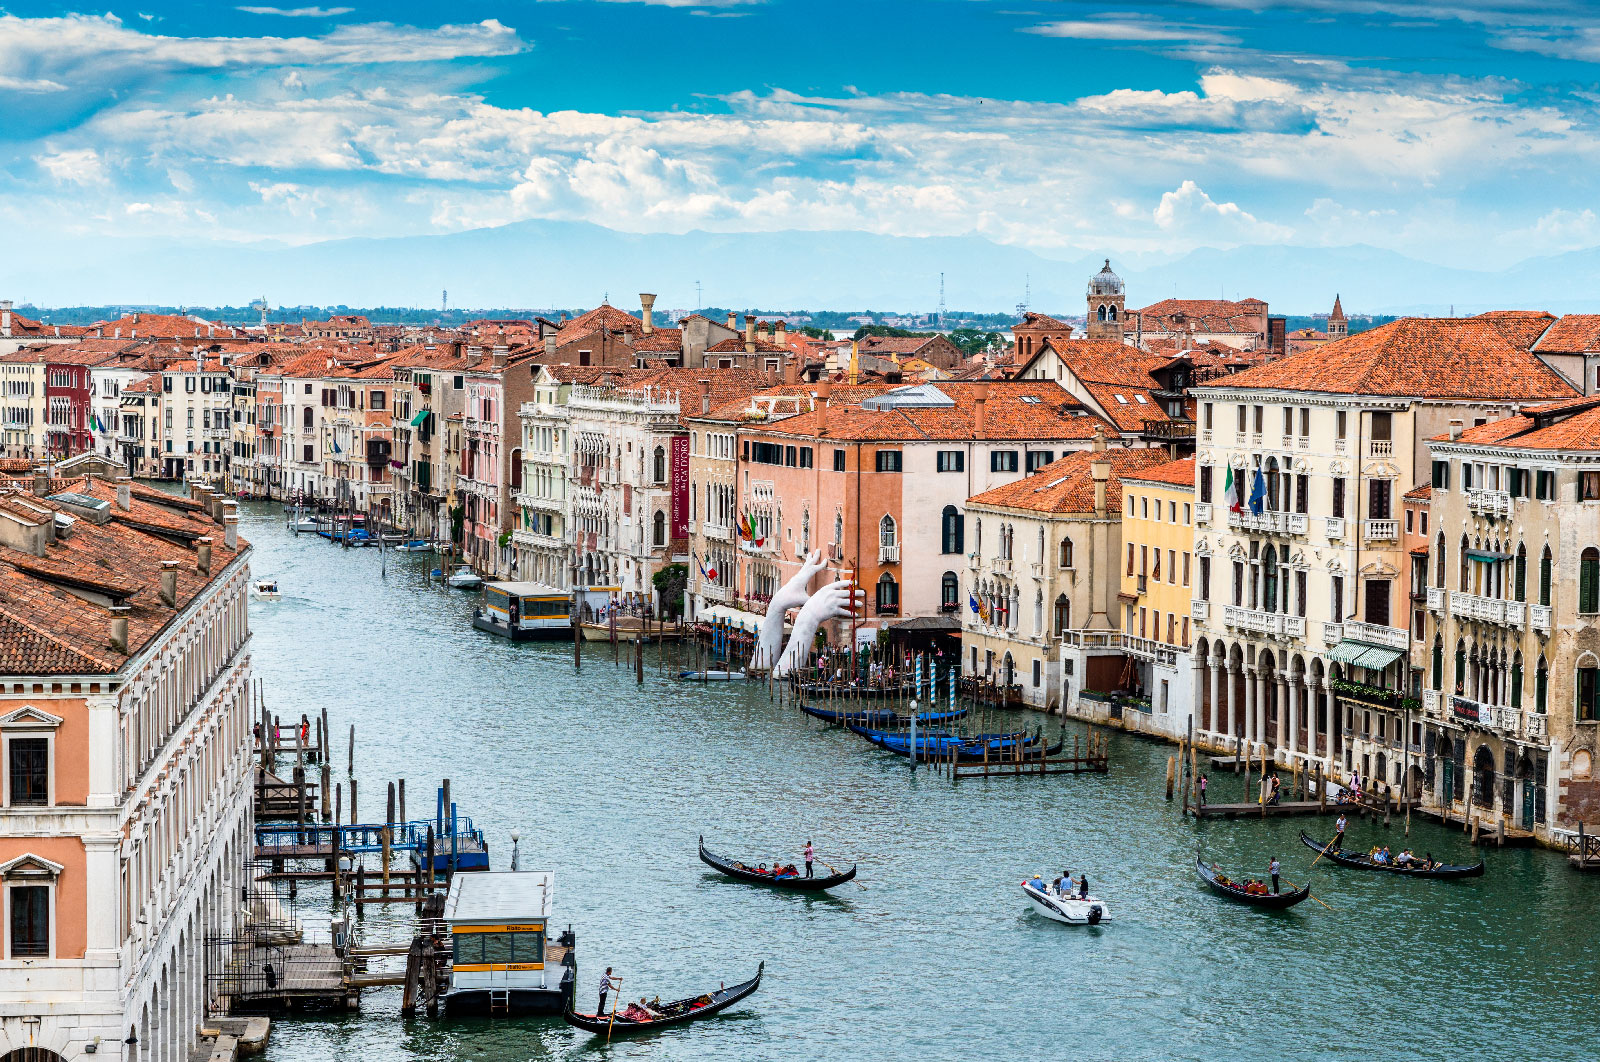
1483, 775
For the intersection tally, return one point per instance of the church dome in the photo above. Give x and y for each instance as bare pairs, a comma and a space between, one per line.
1105, 282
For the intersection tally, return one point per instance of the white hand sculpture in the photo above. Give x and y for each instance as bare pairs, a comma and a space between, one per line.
793, 595
837, 600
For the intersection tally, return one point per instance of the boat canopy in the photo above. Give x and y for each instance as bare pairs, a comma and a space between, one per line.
530, 590
734, 617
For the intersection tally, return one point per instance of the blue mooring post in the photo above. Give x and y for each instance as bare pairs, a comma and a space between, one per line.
913, 737
452, 836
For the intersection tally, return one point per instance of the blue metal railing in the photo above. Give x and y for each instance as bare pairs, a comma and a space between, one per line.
367, 836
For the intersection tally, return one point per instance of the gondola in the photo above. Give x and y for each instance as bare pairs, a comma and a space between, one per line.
844, 690
881, 719
678, 1012
742, 872
1273, 900
940, 745
1364, 862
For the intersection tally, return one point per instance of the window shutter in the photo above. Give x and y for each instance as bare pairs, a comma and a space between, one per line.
1586, 586
1522, 576
1541, 689
1544, 579
1438, 665
1516, 686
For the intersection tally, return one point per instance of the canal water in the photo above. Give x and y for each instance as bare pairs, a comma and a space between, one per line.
936, 955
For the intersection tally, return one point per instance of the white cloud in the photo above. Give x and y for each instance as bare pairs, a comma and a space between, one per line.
1135, 31
1189, 211
12, 83
79, 166
298, 12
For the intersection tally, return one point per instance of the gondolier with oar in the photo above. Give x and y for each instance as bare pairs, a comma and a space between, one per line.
809, 852
1272, 868
1338, 834
607, 983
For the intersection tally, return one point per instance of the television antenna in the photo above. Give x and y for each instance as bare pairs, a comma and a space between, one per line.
699, 303
941, 302
444, 300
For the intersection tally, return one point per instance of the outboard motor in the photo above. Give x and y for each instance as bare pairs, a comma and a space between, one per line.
1094, 914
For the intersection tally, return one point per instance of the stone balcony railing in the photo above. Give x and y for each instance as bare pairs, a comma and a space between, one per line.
1497, 717
1535, 728
719, 532
1437, 598
1199, 610
1430, 703
1489, 502
1539, 616
888, 554
713, 592
1380, 530
1488, 609
1377, 634
1272, 624
1001, 565
1270, 522
1380, 447
1333, 527
1202, 513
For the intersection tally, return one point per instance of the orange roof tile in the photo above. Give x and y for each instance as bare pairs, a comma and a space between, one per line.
1561, 426
1067, 485
1174, 473
1576, 333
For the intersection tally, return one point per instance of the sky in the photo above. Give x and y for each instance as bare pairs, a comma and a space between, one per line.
1458, 132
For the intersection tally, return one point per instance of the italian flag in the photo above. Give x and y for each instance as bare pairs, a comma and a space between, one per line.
1231, 489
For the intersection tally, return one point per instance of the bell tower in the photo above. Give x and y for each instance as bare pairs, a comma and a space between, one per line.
1338, 327
1106, 305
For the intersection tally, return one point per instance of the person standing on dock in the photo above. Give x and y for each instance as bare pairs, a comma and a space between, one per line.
1272, 868
607, 983
1202, 789
808, 854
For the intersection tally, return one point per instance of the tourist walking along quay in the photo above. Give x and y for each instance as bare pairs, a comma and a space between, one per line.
609, 784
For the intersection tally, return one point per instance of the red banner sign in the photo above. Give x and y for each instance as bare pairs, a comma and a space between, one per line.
680, 486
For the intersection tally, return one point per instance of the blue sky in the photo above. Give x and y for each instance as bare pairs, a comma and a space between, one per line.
1461, 132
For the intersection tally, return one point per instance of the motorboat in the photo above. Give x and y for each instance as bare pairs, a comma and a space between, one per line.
525, 612
266, 589
712, 675
464, 578
1074, 910
414, 546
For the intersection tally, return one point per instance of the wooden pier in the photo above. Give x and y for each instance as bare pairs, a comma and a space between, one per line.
1087, 757
1255, 810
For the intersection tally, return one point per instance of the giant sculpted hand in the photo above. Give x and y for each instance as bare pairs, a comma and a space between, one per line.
792, 595
837, 600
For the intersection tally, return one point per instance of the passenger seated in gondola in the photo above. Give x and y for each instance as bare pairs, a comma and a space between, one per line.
1405, 858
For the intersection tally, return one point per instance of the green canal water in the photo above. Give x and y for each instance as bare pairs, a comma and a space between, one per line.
937, 956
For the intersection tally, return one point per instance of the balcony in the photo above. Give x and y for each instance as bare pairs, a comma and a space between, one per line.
1302, 442
1436, 599
1205, 436
1539, 616
1339, 447
1490, 503
1489, 716
1393, 637
1430, 703
1150, 649
1272, 624
1380, 447
974, 562
1202, 513
1333, 527
1001, 565
1036, 569
1199, 610
1380, 530
1534, 728
1488, 609
1269, 522
717, 532
224, 432
1140, 584
888, 554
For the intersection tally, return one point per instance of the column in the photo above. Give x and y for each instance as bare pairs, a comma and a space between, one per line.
1313, 715
1263, 697
1283, 710
1217, 708
1292, 710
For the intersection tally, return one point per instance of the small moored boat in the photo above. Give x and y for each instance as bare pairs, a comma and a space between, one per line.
464, 578
414, 546
712, 675
941, 745
881, 719
1072, 909
755, 876
1223, 886
1366, 862
266, 589
634, 1019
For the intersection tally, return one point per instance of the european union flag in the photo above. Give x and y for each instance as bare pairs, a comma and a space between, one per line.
973, 602
1258, 494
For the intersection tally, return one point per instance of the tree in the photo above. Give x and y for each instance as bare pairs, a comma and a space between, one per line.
670, 583
885, 330
814, 332
973, 341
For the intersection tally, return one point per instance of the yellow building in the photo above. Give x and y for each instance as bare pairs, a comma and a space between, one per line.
1159, 574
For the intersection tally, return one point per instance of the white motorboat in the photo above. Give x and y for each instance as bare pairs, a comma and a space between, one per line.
714, 675
266, 589
464, 578
414, 546
1074, 910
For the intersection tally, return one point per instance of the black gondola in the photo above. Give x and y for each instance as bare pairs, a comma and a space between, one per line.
1273, 900
937, 745
743, 872
679, 1012
845, 691
1364, 862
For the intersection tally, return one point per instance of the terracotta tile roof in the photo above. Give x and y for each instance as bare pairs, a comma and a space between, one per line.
1563, 426
1031, 319
1421, 493
1415, 357
1067, 485
735, 345
1576, 333
1013, 409
1520, 327
1174, 473
161, 326
1202, 315
894, 344
604, 316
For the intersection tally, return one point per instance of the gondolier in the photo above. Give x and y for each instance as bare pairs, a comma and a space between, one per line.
607, 983
1338, 836
1272, 868
808, 853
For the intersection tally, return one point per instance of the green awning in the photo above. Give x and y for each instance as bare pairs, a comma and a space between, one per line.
422, 415
1488, 556
1364, 654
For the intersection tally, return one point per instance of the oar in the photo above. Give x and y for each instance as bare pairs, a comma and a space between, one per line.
1323, 904
853, 881
616, 987
1322, 852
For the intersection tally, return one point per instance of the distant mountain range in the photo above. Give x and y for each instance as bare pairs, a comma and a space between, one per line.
557, 263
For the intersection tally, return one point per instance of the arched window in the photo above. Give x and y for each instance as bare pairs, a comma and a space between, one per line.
1100, 313
1516, 680
977, 535
1272, 486
659, 537
1065, 552
1111, 313
659, 472
306, 418
1063, 619
1541, 686
1038, 613
1483, 777
1438, 662
886, 533
1039, 556
888, 594
1269, 579
1466, 567
949, 593
1521, 578
1589, 580
1438, 563
1544, 576
1461, 667
951, 531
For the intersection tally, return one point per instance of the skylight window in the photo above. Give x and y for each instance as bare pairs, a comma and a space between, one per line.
1141, 399
1032, 400
1120, 400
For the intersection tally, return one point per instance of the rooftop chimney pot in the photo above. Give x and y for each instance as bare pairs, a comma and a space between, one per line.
647, 305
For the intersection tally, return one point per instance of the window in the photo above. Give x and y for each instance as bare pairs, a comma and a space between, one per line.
1305, 420
1378, 500
838, 460
1588, 694
1036, 671
1521, 578
805, 457
1339, 424
28, 768
1382, 425
1411, 521
952, 461
1064, 554
1338, 497
949, 593
1144, 509
30, 921
305, 420
1589, 486
1441, 475
888, 594
888, 460
1130, 558
1240, 427
1544, 486
1541, 687
1544, 576
1259, 416
1205, 414
791, 457
1288, 420
1037, 459
1589, 580
307, 456
1337, 594
1205, 483
659, 530
1186, 569
1155, 572
1205, 579
1378, 602
952, 531
1002, 461
887, 537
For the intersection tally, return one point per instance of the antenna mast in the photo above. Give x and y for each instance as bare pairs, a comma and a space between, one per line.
941, 302
444, 300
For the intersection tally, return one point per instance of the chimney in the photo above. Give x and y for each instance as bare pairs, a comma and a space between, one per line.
230, 531
119, 629
780, 334
824, 393
497, 358
1455, 428
1100, 470
5, 317
474, 354
169, 583
1098, 443
749, 333
980, 408
733, 322
202, 555
41, 482
705, 397
124, 493
550, 345
791, 369
647, 305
